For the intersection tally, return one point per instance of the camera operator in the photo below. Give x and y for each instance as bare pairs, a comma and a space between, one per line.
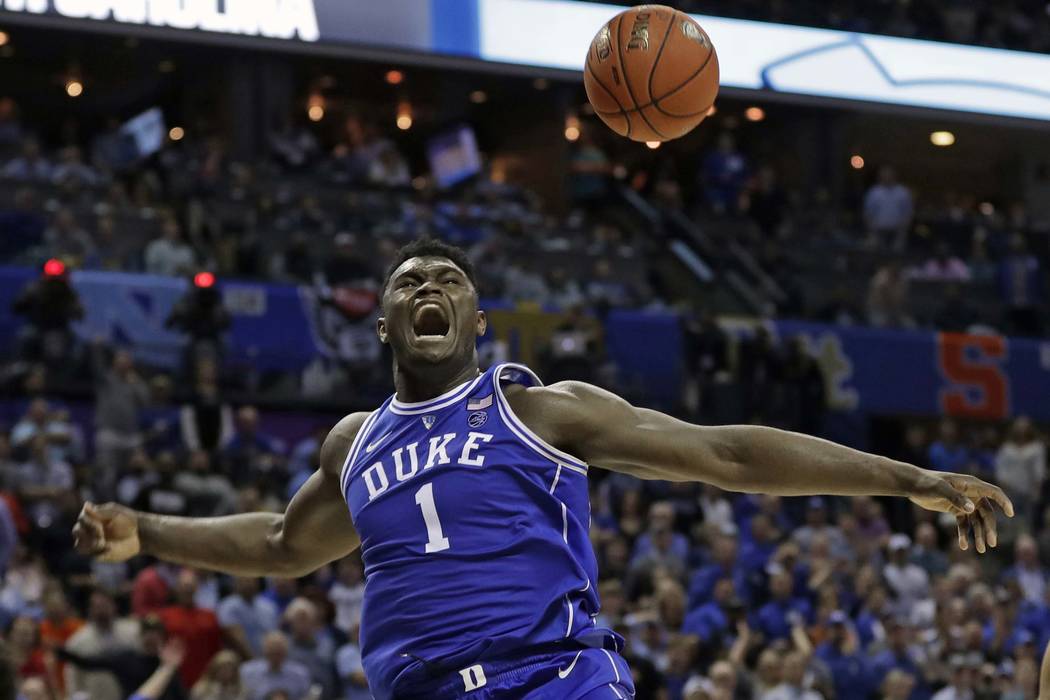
49, 305
200, 314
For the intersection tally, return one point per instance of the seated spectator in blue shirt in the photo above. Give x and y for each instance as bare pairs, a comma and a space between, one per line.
754, 555
947, 454
900, 656
850, 670
250, 454
712, 620
723, 564
661, 519
246, 617
774, 619
275, 671
1029, 573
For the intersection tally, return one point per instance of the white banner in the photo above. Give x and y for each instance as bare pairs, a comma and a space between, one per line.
800, 60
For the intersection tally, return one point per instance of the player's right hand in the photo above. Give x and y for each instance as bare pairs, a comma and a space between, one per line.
108, 532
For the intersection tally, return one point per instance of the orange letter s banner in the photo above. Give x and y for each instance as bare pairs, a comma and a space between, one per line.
972, 366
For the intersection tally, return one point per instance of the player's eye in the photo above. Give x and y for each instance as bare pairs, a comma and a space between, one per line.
452, 280
406, 283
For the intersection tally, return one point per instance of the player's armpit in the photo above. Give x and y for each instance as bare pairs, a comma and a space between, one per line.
316, 528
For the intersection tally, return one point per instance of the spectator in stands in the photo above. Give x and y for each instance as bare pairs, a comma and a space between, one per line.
1020, 283
221, 680
900, 657
207, 493
888, 303
525, 285
104, 633
817, 525
724, 174
803, 402
909, 582
766, 201
10, 125
162, 683
849, 667
1028, 572
793, 686
563, 291
347, 593
389, 168
251, 454
589, 172
170, 255
943, 266
350, 669
120, 395
247, 617
946, 453
606, 291
311, 645
111, 252
206, 421
347, 265
71, 170
23, 225
66, 239
898, 685
31, 166
295, 262
955, 313
784, 610
275, 671
713, 620
42, 480
888, 211
962, 679
926, 553
130, 666
196, 627
1020, 469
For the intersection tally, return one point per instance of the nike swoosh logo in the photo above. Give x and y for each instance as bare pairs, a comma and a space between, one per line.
375, 443
563, 674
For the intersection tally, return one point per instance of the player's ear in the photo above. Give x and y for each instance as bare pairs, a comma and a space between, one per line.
381, 330
483, 323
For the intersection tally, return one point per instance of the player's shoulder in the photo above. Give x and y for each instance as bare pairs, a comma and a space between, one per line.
562, 402
340, 438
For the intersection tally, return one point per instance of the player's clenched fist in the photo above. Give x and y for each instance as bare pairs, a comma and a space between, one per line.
109, 532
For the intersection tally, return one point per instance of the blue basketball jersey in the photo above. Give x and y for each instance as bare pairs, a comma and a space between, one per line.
474, 535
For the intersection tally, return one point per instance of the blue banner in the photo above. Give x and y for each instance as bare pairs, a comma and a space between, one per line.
281, 327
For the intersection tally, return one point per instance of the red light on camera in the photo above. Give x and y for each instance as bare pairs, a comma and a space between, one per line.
204, 280
54, 268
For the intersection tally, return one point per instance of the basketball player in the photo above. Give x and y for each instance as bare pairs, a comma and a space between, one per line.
467, 493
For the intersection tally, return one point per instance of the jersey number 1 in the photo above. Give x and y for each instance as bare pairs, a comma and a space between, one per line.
425, 500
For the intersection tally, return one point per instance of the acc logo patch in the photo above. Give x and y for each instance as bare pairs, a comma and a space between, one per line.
477, 419
428, 422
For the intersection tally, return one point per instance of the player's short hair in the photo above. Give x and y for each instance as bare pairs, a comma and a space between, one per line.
427, 247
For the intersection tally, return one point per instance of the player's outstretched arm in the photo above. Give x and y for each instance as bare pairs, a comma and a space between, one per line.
605, 430
314, 530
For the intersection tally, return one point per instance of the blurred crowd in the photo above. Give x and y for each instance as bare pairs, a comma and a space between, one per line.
1023, 25
719, 595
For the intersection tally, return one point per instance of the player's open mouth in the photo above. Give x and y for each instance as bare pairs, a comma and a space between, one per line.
430, 321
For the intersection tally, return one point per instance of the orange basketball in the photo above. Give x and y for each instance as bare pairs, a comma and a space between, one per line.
651, 73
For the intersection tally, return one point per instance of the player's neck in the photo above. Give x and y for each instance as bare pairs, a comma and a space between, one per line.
415, 384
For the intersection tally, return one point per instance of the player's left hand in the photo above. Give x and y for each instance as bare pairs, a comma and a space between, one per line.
966, 497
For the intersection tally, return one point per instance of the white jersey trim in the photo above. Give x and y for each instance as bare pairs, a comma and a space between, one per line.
523, 432
355, 447
435, 404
